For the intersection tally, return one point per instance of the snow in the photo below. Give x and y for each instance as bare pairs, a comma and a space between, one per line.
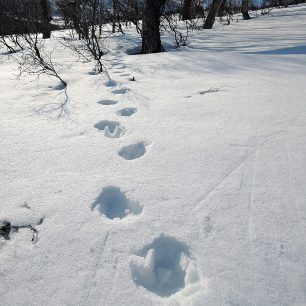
113, 204
199, 199
165, 269
133, 151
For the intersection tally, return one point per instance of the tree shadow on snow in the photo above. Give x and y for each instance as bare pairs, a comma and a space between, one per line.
284, 51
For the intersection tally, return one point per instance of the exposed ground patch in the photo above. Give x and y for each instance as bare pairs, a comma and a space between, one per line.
8, 228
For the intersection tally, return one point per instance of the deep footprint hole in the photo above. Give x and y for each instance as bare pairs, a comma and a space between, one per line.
121, 91
108, 102
133, 151
113, 203
110, 83
112, 129
126, 112
159, 266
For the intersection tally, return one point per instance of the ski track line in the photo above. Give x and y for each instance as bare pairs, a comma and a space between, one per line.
248, 163
253, 143
248, 185
251, 195
271, 144
292, 195
214, 186
98, 261
292, 188
110, 294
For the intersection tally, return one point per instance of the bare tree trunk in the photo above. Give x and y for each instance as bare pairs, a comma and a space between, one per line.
100, 19
185, 13
151, 42
113, 17
285, 3
46, 17
245, 9
221, 11
214, 8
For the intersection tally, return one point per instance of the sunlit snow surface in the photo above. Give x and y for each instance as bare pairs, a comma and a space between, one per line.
186, 186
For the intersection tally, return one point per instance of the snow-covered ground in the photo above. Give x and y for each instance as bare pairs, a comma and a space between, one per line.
185, 187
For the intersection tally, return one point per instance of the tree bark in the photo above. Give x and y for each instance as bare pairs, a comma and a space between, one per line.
245, 9
185, 13
151, 42
221, 11
285, 3
214, 8
45, 19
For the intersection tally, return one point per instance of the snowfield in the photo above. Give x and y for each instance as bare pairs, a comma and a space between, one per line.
184, 187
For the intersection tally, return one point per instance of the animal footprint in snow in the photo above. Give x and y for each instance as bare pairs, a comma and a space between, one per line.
133, 151
121, 91
108, 102
110, 83
114, 204
164, 267
126, 112
112, 129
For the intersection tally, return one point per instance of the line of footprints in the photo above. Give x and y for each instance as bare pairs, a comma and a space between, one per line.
113, 129
164, 267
